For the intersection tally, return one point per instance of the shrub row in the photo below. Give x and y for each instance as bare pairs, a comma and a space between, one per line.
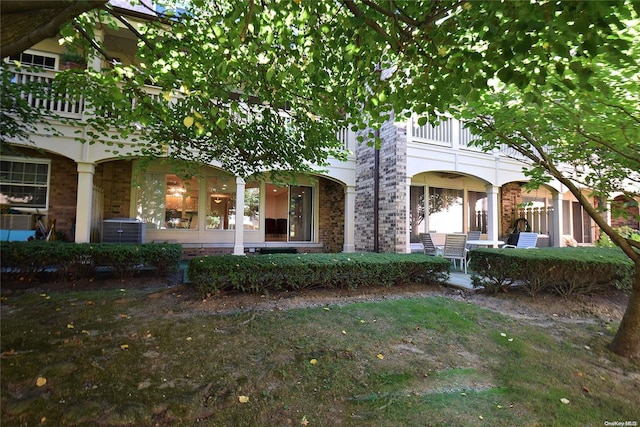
262, 274
27, 261
564, 271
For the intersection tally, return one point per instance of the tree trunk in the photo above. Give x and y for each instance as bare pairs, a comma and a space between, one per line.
626, 343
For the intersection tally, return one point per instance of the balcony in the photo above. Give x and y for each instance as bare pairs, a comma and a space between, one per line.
450, 133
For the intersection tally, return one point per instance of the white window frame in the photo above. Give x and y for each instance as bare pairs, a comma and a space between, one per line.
31, 160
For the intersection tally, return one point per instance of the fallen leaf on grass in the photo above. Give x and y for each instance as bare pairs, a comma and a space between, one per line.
305, 421
40, 381
380, 356
243, 399
10, 352
314, 361
586, 389
124, 346
564, 400
70, 326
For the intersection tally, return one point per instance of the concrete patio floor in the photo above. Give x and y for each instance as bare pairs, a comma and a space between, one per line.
460, 280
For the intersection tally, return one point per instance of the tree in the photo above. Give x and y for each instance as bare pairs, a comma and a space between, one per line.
266, 84
596, 132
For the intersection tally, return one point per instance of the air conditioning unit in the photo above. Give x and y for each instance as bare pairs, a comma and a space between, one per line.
123, 230
17, 222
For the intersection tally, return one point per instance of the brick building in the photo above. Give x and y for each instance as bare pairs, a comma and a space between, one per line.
421, 179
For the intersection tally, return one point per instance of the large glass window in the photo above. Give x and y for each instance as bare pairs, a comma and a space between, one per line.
221, 206
446, 210
478, 206
288, 213
252, 206
24, 182
167, 201
416, 206
221, 203
300, 214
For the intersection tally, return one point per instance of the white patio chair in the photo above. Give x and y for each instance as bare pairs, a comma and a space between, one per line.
473, 235
455, 249
525, 241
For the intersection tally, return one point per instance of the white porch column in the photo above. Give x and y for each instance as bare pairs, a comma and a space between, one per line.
349, 219
493, 212
407, 210
238, 245
556, 220
84, 202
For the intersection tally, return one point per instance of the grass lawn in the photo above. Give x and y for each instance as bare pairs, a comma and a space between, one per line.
145, 358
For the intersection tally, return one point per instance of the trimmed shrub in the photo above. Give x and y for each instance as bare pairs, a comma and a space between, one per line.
265, 273
29, 261
563, 271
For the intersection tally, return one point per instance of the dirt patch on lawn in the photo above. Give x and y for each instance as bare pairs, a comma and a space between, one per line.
170, 295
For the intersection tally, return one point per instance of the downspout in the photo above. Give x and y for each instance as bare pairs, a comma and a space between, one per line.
376, 193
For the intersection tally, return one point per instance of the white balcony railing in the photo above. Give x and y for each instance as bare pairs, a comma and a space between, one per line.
60, 104
441, 134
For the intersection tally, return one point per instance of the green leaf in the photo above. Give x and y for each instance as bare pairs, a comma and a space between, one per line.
221, 123
270, 72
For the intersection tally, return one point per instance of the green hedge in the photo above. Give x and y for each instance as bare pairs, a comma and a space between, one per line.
563, 271
261, 274
27, 261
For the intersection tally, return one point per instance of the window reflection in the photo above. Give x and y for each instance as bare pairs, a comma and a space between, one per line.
221, 203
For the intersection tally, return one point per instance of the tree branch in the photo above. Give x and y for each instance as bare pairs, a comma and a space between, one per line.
50, 28
372, 24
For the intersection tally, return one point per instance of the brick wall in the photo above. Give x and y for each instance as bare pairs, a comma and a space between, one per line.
392, 192
62, 191
115, 179
62, 195
511, 196
331, 226
631, 208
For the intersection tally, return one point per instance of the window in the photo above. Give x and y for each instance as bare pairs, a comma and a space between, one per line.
36, 60
166, 201
252, 206
478, 207
300, 214
221, 203
446, 210
24, 182
416, 206
289, 213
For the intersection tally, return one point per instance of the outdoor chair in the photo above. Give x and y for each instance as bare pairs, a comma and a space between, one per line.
526, 240
455, 249
429, 247
473, 235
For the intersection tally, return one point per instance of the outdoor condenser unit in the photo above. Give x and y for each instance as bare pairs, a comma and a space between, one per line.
123, 230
